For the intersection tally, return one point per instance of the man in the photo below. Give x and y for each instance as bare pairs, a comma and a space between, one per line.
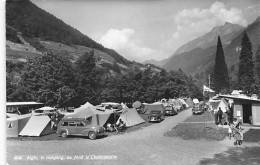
220, 113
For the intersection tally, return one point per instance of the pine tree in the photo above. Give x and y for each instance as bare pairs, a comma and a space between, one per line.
246, 66
221, 79
257, 68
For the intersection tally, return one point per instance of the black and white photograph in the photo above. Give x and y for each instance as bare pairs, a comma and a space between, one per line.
132, 82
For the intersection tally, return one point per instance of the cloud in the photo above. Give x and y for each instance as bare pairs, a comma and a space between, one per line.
124, 42
192, 23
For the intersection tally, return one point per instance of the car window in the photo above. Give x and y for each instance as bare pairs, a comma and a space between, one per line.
72, 124
64, 123
81, 124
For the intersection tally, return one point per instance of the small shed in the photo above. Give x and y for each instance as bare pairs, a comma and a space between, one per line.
246, 109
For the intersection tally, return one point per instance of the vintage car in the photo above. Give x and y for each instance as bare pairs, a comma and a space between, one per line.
169, 110
110, 106
79, 127
197, 109
155, 116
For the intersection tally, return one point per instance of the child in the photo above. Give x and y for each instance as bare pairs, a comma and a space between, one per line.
237, 137
240, 129
230, 130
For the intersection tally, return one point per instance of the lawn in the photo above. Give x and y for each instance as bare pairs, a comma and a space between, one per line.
194, 128
196, 131
253, 135
235, 156
207, 116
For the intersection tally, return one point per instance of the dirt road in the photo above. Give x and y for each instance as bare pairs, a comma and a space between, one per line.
145, 146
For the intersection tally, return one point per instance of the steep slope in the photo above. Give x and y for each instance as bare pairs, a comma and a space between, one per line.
34, 24
227, 33
200, 61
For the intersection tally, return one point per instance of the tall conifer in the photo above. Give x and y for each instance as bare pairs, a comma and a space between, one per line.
246, 66
221, 79
257, 69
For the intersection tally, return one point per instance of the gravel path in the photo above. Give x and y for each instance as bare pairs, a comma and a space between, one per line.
145, 146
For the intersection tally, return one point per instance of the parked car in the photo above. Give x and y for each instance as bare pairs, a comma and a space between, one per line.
197, 109
110, 106
169, 110
79, 127
155, 116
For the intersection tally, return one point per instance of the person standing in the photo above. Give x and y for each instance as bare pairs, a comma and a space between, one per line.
220, 113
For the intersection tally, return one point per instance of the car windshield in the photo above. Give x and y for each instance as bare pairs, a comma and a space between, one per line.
168, 108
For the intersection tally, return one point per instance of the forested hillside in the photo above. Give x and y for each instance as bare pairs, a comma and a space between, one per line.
35, 23
41, 67
56, 81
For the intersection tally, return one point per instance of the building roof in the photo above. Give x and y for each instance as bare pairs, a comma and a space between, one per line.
21, 103
240, 97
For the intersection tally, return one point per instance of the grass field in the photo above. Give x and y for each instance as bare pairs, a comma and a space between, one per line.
206, 116
194, 128
253, 135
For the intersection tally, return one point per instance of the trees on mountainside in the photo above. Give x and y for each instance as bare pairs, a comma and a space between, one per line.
246, 80
54, 80
221, 79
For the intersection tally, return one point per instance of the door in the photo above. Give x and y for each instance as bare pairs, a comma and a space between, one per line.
256, 114
247, 112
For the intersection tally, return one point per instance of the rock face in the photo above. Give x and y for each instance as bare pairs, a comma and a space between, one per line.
227, 33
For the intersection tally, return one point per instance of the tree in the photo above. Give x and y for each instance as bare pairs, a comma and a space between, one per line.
257, 69
221, 80
47, 79
246, 66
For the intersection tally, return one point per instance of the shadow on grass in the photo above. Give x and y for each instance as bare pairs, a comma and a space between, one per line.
253, 135
196, 131
235, 156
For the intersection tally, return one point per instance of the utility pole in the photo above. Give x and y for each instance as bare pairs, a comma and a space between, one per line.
209, 80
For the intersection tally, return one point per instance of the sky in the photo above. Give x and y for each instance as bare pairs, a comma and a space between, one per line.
142, 30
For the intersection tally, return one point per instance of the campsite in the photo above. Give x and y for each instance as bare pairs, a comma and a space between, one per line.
41, 126
131, 82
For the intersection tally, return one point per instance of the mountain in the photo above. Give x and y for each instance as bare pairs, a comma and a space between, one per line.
200, 61
31, 31
155, 62
227, 32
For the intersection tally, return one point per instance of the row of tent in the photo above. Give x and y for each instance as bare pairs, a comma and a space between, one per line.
34, 125
38, 125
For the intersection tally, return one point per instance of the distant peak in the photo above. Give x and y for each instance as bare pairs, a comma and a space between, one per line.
257, 19
227, 23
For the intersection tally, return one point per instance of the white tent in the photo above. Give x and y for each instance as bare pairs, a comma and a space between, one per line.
37, 126
15, 124
130, 117
183, 102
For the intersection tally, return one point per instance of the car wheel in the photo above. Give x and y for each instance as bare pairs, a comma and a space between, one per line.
64, 134
92, 135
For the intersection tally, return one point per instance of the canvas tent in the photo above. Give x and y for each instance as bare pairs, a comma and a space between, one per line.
98, 117
183, 102
150, 107
37, 126
130, 117
15, 124
189, 102
216, 104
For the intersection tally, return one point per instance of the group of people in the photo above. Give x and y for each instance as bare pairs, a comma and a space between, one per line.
119, 126
235, 130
